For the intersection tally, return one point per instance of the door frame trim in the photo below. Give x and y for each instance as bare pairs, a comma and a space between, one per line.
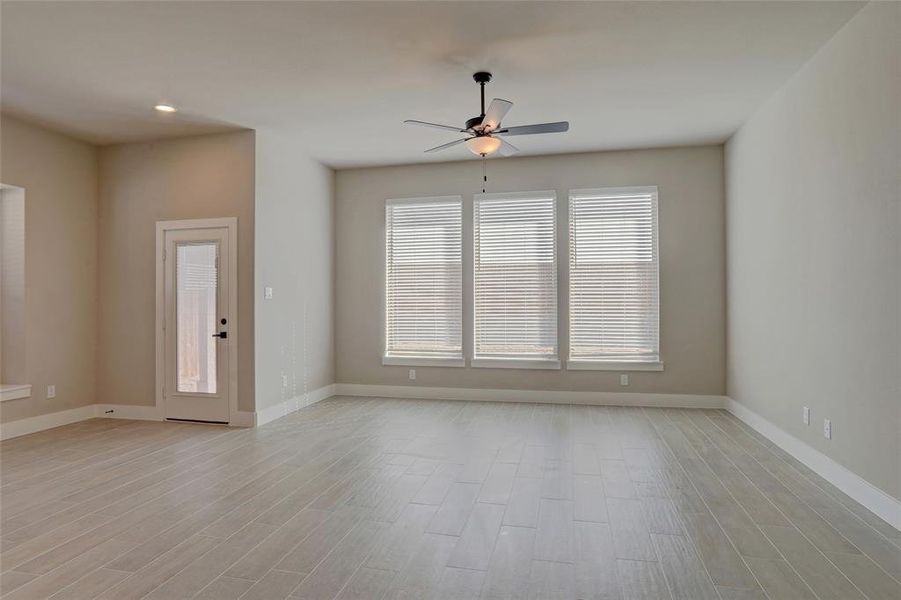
231, 226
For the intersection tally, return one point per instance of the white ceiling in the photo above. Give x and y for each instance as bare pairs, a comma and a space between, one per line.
343, 75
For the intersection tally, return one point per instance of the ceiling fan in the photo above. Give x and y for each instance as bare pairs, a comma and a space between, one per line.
485, 134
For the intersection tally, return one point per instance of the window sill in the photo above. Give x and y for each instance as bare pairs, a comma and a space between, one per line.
14, 391
424, 361
514, 363
591, 365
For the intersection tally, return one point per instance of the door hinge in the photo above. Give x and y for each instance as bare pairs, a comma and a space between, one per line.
164, 254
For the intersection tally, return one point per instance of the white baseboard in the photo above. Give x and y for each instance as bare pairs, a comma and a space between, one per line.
877, 501
127, 411
548, 397
277, 411
49, 421
244, 418
82, 413
21, 427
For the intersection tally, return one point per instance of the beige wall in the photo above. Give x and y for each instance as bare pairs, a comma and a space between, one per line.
294, 256
692, 277
814, 226
140, 184
59, 175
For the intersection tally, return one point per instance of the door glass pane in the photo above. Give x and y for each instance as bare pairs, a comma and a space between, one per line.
195, 297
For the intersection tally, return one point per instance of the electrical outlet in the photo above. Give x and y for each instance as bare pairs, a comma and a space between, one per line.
827, 429
51, 391
806, 416
412, 374
267, 293
624, 379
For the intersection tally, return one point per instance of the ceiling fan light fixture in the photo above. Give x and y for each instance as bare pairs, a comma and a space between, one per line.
483, 145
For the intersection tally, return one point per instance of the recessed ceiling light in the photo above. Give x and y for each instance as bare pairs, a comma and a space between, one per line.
167, 108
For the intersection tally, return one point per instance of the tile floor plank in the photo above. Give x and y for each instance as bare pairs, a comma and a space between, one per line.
687, 578
473, 550
814, 568
866, 575
551, 581
328, 577
454, 512
366, 584
510, 565
588, 498
274, 585
497, 486
595, 568
555, 537
779, 581
225, 588
524, 503
642, 580
631, 537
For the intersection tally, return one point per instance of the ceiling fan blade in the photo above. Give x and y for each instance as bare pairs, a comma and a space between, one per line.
507, 148
447, 145
434, 125
557, 127
495, 114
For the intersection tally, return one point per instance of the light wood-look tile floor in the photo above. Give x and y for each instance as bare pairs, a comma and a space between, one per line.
374, 498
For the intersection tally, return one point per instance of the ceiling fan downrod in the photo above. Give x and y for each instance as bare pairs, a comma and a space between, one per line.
482, 77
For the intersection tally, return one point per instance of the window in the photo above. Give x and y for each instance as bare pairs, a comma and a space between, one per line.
423, 277
613, 279
515, 280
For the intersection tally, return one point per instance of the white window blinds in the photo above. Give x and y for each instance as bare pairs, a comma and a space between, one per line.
423, 277
613, 276
515, 279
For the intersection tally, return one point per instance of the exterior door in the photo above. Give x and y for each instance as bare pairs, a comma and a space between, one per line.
196, 324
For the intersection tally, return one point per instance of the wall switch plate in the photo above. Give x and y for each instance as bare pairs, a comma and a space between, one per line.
624, 379
51, 391
827, 429
267, 293
412, 374
806, 415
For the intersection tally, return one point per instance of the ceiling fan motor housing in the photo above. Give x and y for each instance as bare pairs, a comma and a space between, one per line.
474, 122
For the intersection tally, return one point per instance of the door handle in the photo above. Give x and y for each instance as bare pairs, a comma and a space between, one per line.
222, 335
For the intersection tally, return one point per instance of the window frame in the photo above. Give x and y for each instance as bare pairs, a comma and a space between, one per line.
513, 362
600, 364
412, 360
